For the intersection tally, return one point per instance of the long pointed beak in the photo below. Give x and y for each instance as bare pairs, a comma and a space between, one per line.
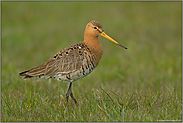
109, 38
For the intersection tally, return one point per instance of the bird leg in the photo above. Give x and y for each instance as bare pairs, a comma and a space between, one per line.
73, 98
69, 93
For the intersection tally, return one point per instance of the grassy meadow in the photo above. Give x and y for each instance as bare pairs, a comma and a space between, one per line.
142, 83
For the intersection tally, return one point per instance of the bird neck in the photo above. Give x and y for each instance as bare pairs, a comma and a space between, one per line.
93, 42
95, 46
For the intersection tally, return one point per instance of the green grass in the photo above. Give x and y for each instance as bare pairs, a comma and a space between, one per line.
142, 83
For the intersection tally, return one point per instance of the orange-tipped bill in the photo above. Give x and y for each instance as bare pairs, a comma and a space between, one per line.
106, 36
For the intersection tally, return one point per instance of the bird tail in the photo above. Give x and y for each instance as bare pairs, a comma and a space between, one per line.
25, 75
34, 72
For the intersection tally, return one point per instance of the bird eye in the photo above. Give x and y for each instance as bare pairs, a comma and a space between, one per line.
95, 27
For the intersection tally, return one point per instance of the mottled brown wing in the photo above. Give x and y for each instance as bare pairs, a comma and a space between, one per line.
65, 61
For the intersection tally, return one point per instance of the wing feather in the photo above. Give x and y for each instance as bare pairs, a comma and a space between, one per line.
65, 61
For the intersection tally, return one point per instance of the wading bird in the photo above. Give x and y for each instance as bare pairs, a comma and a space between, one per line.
74, 62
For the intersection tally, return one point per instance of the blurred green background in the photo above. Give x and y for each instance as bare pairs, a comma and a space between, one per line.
32, 32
